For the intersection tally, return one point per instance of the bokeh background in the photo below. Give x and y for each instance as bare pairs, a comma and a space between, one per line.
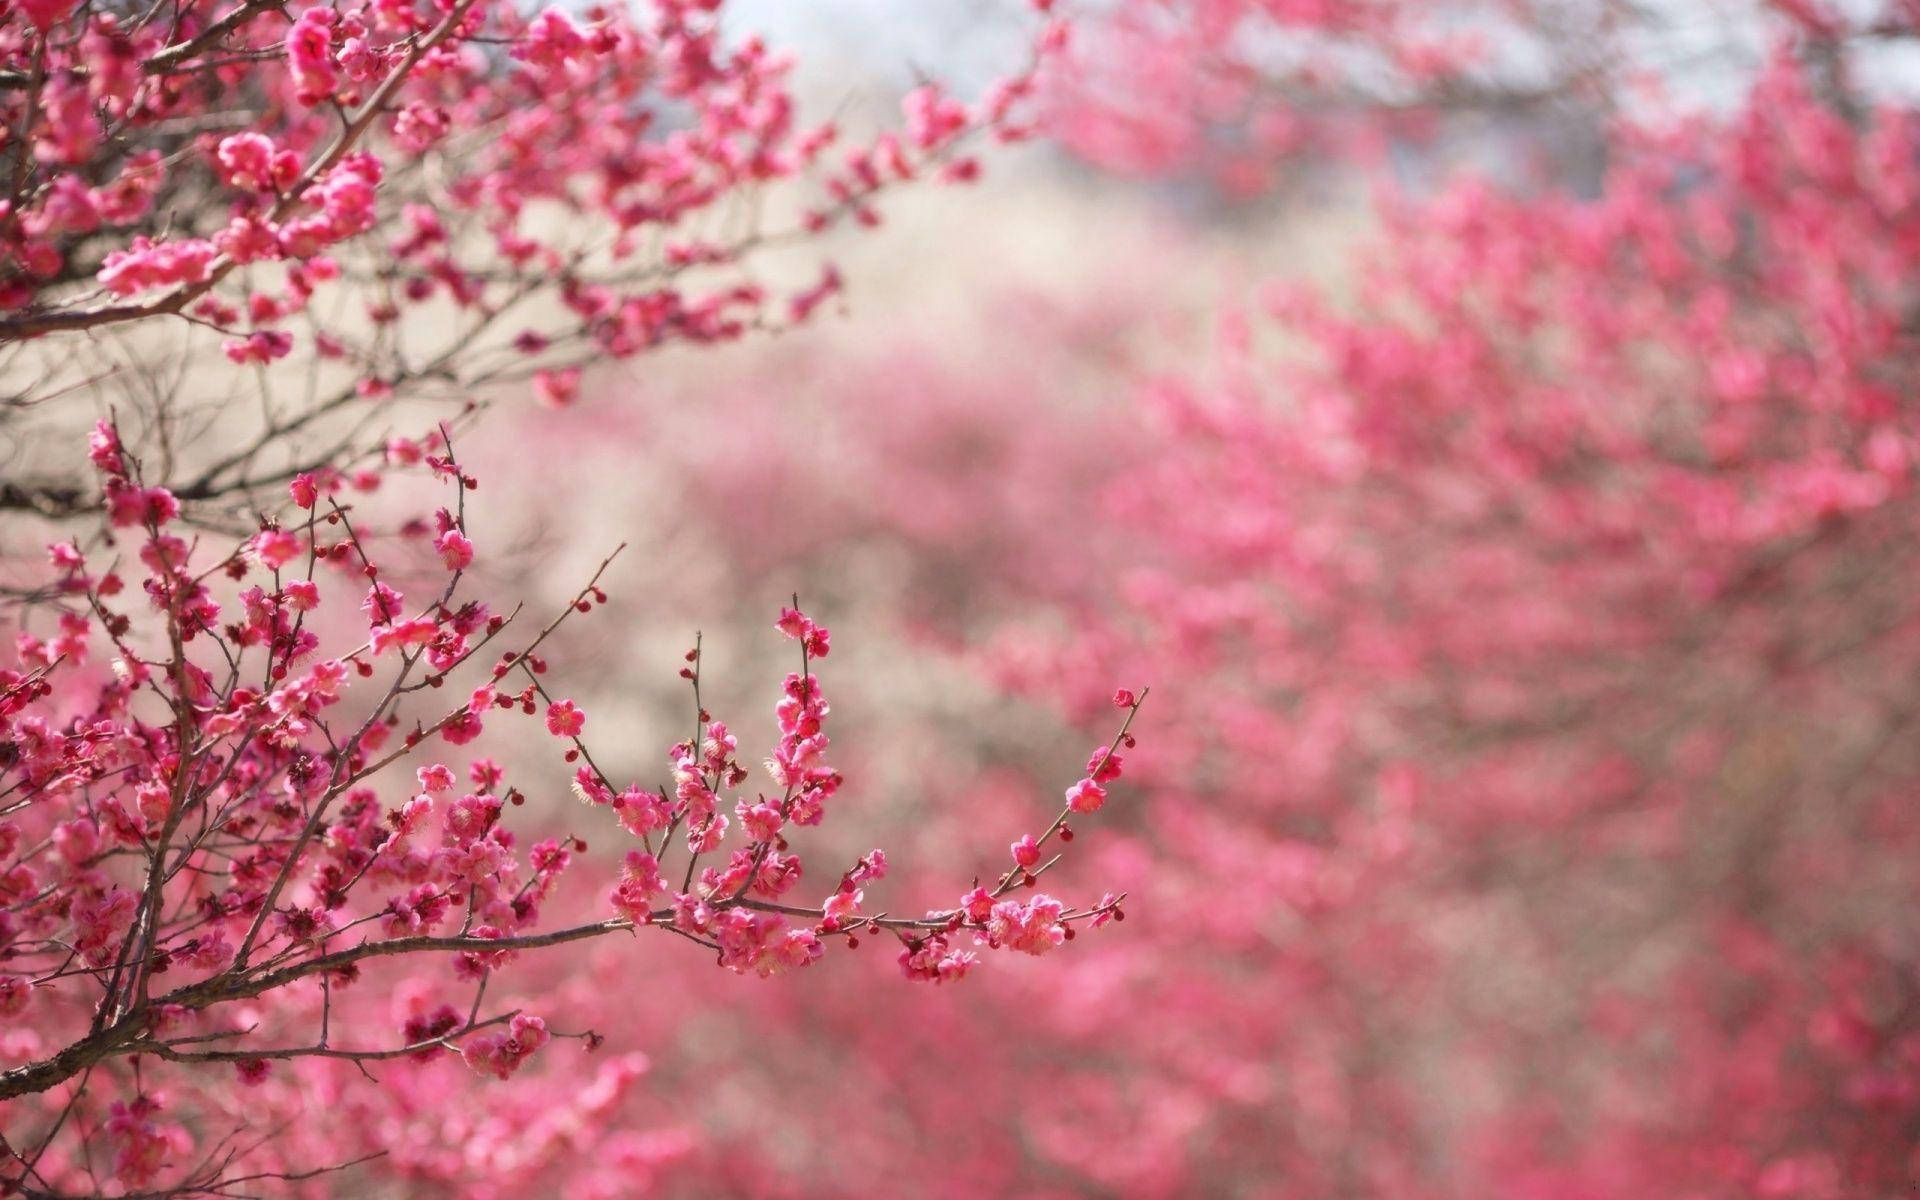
1524, 807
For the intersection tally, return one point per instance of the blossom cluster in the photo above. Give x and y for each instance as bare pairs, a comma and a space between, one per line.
553, 187
208, 843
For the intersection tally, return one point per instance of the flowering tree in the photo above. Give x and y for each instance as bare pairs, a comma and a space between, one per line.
212, 846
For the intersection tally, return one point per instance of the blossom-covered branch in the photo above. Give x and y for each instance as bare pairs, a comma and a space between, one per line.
372, 203
200, 843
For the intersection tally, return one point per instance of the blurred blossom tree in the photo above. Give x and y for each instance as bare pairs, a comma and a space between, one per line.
1554, 603
1255, 95
225, 814
1531, 808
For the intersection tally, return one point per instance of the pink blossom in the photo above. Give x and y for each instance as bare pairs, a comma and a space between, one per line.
1086, 796
557, 389
843, 907
564, 719
275, 548
407, 634
552, 40
146, 265
501, 1054
1032, 928
258, 348
310, 55
252, 162
456, 552
103, 448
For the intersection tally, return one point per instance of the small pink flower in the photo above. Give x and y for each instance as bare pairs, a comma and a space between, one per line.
977, 904
557, 389
251, 162
843, 907
383, 604
501, 1054
871, 867
404, 635
797, 625
1103, 765
456, 552
564, 719
552, 40
1033, 927
275, 548
310, 55
1086, 796
103, 448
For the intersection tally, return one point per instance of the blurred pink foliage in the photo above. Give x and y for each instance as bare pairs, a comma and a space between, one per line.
1529, 811
1546, 631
